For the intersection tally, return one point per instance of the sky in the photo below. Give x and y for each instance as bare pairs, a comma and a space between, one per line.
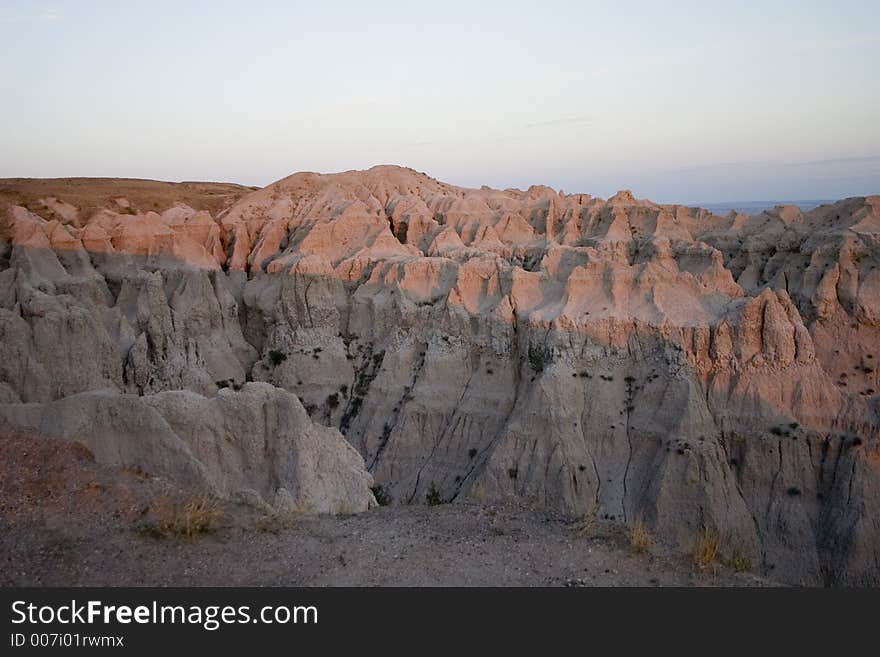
676, 101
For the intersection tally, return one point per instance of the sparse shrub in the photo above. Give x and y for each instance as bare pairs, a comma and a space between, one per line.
587, 525
276, 357
183, 518
513, 473
776, 431
706, 547
472, 452
333, 400
738, 561
794, 491
381, 495
221, 384
343, 389
539, 356
639, 537
137, 471
432, 497
793, 426
275, 522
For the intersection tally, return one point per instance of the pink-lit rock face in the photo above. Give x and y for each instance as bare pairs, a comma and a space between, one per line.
616, 357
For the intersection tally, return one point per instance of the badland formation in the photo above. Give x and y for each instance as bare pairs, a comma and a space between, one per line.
330, 339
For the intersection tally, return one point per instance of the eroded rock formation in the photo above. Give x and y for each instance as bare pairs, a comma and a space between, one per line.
584, 355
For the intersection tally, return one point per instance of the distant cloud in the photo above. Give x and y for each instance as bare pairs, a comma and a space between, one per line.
554, 122
840, 160
49, 14
867, 159
46, 14
720, 165
835, 44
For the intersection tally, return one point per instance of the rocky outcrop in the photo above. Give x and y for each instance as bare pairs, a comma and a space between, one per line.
583, 355
257, 443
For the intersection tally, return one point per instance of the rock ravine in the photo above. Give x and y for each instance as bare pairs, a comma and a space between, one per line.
329, 334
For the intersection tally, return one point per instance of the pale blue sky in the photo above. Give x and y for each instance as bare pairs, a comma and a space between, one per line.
678, 101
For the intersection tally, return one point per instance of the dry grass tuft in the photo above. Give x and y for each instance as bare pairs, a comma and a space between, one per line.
587, 525
176, 518
706, 548
639, 537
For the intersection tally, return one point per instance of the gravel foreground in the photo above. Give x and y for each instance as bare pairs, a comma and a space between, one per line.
66, 521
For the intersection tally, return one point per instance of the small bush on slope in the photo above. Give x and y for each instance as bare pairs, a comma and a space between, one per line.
183, 518
639, 537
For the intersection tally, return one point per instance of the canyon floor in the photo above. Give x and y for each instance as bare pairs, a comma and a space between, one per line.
67, 521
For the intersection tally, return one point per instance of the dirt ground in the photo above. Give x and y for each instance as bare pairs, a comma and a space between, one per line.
89, 194
65, 520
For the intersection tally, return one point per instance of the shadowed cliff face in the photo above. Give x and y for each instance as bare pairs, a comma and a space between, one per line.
616, 357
